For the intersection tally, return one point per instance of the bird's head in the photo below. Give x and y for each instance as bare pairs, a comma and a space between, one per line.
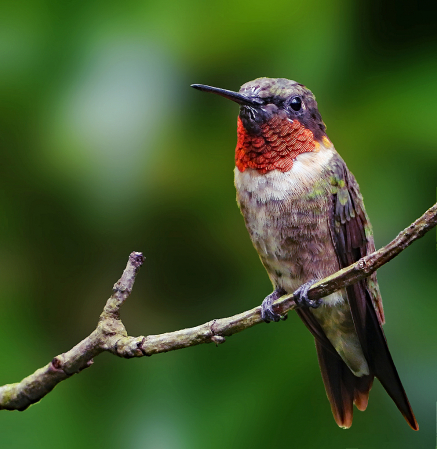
278, 120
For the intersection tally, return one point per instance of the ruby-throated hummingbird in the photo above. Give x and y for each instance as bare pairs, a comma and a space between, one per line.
306, 218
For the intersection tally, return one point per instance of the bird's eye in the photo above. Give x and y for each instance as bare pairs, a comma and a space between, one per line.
296, 104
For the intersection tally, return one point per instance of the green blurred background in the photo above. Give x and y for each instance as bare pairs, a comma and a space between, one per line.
105, 149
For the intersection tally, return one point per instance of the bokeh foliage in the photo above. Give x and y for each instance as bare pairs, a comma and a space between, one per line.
105, 149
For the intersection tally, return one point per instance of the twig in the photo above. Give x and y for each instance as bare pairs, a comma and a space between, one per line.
110, 334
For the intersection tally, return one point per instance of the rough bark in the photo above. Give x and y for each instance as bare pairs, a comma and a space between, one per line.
110, 334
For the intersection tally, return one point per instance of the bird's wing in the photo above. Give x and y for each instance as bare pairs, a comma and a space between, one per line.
352, 233
352, 237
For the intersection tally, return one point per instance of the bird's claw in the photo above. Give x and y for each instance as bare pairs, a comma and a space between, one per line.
267, 313
301, 296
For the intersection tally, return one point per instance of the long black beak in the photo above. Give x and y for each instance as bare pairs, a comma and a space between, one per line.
230, 95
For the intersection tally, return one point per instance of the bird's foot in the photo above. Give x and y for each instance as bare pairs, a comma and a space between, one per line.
302, 299
267, 313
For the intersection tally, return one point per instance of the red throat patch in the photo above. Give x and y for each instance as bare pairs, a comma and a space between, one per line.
280, 141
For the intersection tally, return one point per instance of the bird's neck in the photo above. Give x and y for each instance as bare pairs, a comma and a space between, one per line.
276, 146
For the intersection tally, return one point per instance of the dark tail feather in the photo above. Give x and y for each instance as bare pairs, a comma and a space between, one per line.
342, 387
362, 389
381, 364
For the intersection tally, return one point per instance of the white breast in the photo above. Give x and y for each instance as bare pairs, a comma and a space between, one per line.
276, 185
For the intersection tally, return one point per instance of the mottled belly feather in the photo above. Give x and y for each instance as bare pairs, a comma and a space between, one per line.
287, 216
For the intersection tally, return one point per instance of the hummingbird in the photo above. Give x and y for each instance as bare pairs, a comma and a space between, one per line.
306, 219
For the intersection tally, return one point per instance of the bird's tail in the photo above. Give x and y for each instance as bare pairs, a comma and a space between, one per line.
342, 387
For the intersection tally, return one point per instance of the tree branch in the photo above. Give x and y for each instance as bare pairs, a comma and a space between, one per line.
110, 334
